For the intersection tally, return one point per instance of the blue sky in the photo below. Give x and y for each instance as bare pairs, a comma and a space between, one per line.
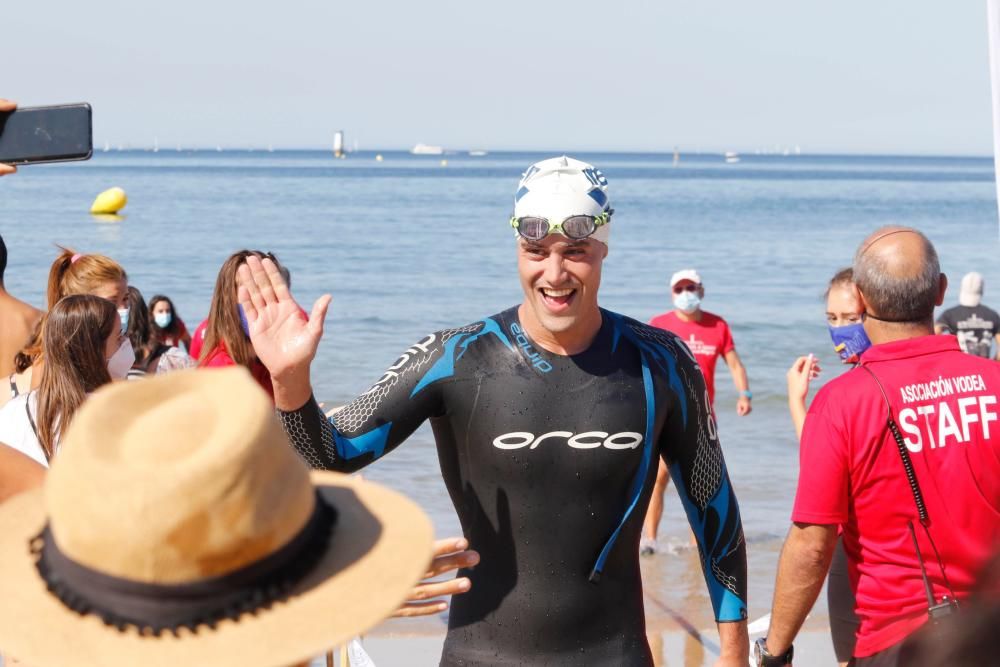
852, 76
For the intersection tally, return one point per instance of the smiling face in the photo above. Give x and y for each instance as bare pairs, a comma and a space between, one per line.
560, 279
842, 305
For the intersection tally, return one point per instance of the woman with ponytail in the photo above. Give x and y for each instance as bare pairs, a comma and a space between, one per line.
71, 273
84, 348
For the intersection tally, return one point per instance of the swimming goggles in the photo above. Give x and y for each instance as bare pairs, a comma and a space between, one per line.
575, 227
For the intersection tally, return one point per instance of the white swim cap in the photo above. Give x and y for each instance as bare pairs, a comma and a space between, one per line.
561, 187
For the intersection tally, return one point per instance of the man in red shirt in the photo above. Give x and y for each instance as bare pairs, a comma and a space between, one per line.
852, 468
707, 336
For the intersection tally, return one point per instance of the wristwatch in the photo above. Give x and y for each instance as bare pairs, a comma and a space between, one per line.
762, 658
747, 394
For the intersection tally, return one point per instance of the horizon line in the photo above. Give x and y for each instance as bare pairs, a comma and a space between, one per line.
174, 148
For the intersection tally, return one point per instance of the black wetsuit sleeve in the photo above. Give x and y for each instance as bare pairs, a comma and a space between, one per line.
378, 420
690, 447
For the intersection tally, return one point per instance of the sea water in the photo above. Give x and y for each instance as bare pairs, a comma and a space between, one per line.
408, 245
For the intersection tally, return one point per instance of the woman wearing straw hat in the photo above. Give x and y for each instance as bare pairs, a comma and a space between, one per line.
177, 527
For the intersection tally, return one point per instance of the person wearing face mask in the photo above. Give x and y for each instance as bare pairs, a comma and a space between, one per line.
84, 347
708, 337
151, 356
71, 273
166, 324
843, 318
225, 338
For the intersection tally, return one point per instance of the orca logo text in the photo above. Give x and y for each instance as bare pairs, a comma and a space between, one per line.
588, 440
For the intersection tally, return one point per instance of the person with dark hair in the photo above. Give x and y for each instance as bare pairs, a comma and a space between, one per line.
903, 452
152, 357
17, 321
166, 324
84, 349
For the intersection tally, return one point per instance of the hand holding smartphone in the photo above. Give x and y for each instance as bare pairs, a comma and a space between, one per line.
45, 134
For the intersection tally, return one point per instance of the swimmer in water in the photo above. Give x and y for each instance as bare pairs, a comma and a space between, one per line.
553, 413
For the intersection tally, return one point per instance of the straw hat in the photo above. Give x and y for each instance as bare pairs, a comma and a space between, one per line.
177, 503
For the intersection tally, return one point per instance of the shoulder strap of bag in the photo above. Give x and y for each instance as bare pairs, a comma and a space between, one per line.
918, 497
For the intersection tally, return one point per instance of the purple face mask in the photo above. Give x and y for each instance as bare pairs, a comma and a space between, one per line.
850, 341
243, 320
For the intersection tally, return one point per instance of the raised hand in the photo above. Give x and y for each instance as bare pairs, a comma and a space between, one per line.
283, 340
799, 375
450, 554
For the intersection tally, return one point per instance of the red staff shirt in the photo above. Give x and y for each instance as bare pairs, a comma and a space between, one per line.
850, 473
708, 339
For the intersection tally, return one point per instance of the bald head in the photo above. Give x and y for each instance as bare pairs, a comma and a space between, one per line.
897, 271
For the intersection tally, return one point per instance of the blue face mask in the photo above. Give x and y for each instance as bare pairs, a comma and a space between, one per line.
123, 316
163, 319
850, 341
687, 301
243, 321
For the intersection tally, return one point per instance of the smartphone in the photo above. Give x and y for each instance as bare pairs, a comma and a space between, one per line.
46, 134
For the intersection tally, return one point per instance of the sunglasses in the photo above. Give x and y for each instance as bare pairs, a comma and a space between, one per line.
685, 288
575, 227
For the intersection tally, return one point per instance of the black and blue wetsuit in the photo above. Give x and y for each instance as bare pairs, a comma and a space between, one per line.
550, 461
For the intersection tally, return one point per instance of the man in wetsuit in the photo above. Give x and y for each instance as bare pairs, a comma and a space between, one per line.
549, 420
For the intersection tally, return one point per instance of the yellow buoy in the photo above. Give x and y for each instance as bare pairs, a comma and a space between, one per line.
111, 200
378, 158
444, 163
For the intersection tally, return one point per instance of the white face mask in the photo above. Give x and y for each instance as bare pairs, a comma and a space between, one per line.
163, 319
687, 302
121, 361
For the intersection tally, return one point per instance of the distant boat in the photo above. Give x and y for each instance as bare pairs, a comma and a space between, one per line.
677, 157
107, 146
732, 157
424, 149
478, 153
156, 145
338, 143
